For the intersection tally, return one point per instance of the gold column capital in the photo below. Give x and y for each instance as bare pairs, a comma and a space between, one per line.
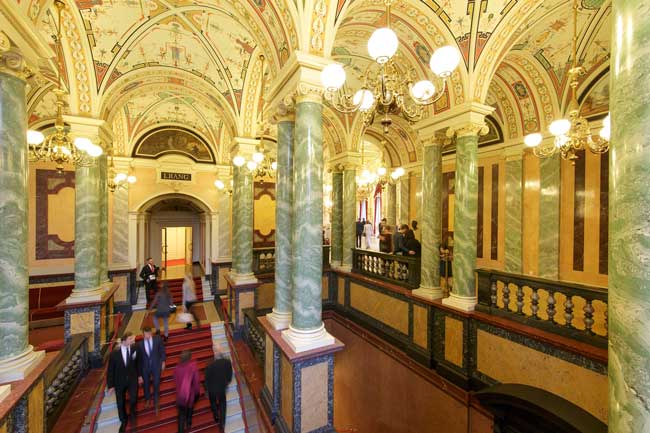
12, 61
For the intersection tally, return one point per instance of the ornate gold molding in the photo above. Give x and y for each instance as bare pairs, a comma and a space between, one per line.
308, 92
468, 129
12, 61
286, 110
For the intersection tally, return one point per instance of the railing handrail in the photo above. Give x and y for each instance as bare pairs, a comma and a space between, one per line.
595, 292
397, 257
116, 325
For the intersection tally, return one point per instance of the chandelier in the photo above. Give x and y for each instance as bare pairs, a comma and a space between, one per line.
58, 146
262, 164
117, 180
368, 180
572, 134
221, 186
389, 86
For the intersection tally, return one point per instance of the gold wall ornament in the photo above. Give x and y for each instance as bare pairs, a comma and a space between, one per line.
468, 129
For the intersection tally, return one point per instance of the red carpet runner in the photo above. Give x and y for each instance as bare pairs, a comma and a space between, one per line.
200, 343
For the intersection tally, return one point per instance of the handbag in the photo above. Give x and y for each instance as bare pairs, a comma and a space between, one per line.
172, 308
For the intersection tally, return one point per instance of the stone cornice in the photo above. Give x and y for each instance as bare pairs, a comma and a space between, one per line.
25, 36
345, 161
457, 118
97, 130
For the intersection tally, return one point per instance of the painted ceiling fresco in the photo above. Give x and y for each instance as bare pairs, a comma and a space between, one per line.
149, 63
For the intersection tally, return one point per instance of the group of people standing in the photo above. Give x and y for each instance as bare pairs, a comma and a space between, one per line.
402, 242
131, 365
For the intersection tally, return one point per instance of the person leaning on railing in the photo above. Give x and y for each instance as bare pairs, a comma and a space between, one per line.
398, 239
411, 245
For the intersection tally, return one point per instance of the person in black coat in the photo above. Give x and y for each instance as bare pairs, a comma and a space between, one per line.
149, 275
122, 376
151, 353
217, 377
411, 245
359, 227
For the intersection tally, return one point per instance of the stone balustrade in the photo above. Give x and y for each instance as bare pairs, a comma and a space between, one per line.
396, 269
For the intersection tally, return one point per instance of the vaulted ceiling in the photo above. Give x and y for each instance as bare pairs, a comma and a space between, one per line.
141, 64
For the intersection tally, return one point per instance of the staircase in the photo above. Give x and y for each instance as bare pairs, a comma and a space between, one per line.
176, 289
200, 342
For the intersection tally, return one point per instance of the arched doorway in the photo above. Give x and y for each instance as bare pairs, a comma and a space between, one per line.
174, 230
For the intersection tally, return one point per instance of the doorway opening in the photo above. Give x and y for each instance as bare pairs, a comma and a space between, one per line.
176, 250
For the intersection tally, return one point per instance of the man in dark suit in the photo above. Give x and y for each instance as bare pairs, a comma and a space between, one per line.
122, 376
149, 274
151, 353
217, 377
359, 226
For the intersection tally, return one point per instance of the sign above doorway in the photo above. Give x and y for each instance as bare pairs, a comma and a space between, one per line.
169, 175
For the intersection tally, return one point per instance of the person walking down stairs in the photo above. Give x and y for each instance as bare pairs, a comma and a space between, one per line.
186, 377
151, 353
217, 378
189, 299
122, 377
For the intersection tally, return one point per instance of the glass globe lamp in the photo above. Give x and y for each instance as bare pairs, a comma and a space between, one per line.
382, 45
444, 60
332, 77
533, 140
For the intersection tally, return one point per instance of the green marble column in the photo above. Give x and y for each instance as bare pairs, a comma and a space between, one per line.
431, 222
242, 221
403, 200
349, 216
549, 217
337, 218
283, 219
391, 198
308, 216
14, 277
87, 239
103, 218
513, 253
465, 214
629, 221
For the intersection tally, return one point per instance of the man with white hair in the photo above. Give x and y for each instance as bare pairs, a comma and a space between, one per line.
217, 377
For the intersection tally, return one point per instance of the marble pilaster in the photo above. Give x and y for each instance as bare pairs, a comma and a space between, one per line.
281, 315
514, 209
17, 357
391, 205
337, 218
431, 222
403, 200
629, 207
87, 236
465, 217
349, 217
102, 163
242, 240
307, 330
549, 217
120, 226
224, 235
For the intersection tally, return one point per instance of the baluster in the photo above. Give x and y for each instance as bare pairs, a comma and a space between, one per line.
493, 294
606, 324
589, 314
506, 296
534, 304
568, 311
382, 266
520, 299
550, 307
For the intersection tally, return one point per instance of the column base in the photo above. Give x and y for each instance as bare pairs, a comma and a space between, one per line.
83, 296
18, 367
279, 320
240, 279
303, 340
430, 293
463, 303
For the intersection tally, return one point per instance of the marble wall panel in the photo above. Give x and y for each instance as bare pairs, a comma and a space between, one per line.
454, 341
313, 396
386, 309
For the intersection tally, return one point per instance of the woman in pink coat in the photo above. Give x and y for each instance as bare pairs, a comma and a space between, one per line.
186, 376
